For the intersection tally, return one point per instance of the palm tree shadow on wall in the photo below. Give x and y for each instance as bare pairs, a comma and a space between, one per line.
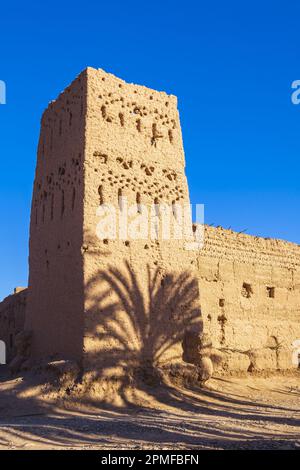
135, 324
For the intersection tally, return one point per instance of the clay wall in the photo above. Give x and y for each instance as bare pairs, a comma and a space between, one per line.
139, 294
103, 139
12, 318
250, 293
55, 301
123, 303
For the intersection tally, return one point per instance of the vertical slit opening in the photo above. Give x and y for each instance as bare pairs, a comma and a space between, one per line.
62, 202
101, 198
120, 197
73, 198
138, 203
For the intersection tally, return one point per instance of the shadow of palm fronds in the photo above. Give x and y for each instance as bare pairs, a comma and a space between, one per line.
136, 324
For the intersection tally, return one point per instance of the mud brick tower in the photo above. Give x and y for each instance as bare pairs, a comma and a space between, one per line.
104, 302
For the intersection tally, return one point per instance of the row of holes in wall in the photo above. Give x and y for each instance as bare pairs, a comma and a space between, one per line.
127, 244
64, 177
130, 183
247, 291
61, 120
57, 182
129, 109
160, 193
165, 187
52, 206
149, 170
156, 202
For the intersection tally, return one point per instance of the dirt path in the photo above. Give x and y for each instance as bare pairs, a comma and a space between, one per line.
235, 413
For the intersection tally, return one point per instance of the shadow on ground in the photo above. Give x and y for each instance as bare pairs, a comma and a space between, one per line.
183, 419
138, 324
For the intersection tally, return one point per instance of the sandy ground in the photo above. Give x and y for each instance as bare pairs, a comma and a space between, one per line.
230, 413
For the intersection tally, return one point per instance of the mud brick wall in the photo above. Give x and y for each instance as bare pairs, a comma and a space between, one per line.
109, 304
120, 304
250, 293
12, 319
55, 301
139, 294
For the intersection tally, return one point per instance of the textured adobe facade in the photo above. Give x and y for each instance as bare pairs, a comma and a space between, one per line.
115, 305
12, 319
134, 150
250, 297
100, 301
55, 302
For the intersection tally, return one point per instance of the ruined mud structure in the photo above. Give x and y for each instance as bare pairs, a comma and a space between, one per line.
112, 305
12, 319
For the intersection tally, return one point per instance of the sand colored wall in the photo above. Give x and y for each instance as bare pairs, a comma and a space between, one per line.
55, 301
120, 304
12, 318
250, 292
139, 294
98, 299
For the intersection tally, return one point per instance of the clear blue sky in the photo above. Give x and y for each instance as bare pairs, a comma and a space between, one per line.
231, 65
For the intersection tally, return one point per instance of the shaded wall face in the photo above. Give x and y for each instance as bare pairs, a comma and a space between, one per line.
250, 290
139, 294
55, 305
12, 318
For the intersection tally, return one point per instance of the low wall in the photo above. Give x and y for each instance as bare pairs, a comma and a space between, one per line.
250, 298
12, 318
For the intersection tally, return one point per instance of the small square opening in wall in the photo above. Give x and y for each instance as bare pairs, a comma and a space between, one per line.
247, 290
271, 292
221, 302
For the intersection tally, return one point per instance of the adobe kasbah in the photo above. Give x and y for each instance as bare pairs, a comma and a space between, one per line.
117, 305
